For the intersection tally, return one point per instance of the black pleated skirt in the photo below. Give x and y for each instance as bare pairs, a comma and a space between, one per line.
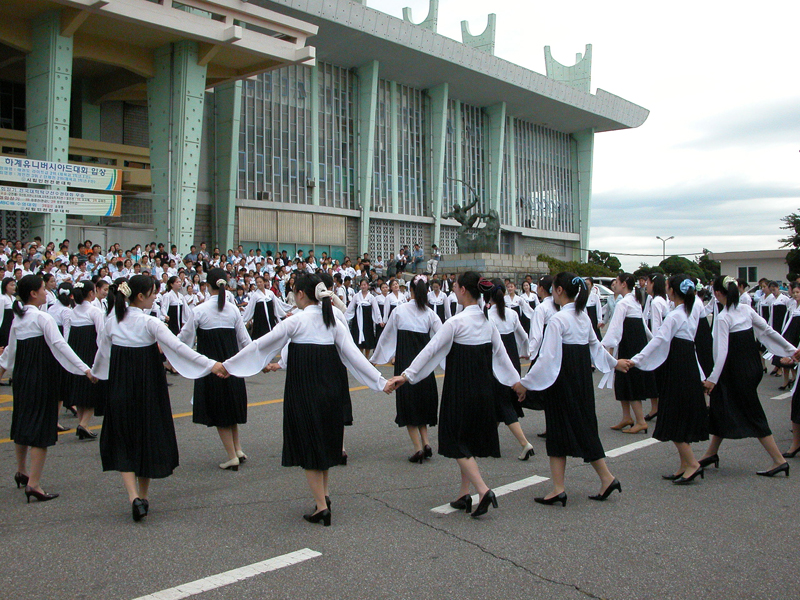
174, 318
569, 407
592, 312
417, 404
704, 345
533, 398
778, 315
524, 320
34, 421
453, 308
368, 326
263, 318
796, 406
219, 402
509, 408
736, 411
138, 433
82, 392
635, 384
5, 328
791, 335
439, 310
314, 408
468, 413
682, 411
62, 379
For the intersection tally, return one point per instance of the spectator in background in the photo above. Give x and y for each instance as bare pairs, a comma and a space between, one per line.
417, 256
433, 263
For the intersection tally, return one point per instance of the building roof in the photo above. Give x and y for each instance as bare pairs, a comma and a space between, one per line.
749, 254
351, 35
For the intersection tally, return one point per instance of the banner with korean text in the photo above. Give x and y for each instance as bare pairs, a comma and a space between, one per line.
59, 201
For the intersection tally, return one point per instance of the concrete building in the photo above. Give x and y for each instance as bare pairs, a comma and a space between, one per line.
753, 265
288, 124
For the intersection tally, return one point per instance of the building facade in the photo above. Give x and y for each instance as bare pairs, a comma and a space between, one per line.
753, 265
304, 124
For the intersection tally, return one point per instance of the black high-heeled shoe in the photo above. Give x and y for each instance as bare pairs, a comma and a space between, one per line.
71, 409
20, 479
713, 459
417, 457
343, 460
62, 429
138, 510
615, 485
784, 387
40, 496
146, 504
683, 480
784, 468
542, 435
463, 503
84, 434
323, 515
562, 497
428, 451
483, 505
650, 417
790, 454
672, 477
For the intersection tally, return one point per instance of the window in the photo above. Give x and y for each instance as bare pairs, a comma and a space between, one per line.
748, 273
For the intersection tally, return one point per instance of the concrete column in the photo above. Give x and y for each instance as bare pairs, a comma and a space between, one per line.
459, 126
48, 80
511, 144
175, 98
367, 109
394, 151
228, 112
313, 95
582, 192
439, 96
497, 134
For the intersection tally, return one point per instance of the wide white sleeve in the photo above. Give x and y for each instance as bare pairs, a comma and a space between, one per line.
432, 354
721, 335
249, 312
280, 308
434, 322
387, 344
447, 312
186, 361
520, 337
544, 372
601, 359
656, 351
164, 306
614, 332
103, 356
10, 353
502, 367
99, 319
355, 361
66, 323
771, 339
257, 355
657, 318
525, 307
536, 334
58, 346
351, 309
188, 332
242, 337
376, 311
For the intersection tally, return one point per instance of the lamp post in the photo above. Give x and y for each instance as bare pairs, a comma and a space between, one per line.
664, 245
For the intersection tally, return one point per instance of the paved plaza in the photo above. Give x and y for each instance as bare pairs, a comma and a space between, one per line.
732, 535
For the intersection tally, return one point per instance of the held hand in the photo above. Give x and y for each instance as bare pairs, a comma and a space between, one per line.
520, 390
394, 383
166, 319
796, 356
220, 371
708, 386
91, 377
623, 365
787, 360
272, 367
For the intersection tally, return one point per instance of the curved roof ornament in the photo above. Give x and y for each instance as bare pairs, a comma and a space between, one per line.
578, 76
431, 21
483, 41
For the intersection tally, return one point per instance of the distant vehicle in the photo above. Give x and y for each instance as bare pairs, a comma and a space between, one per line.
605, 293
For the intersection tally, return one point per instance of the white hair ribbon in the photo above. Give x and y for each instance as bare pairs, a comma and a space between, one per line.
124, 289
321, 291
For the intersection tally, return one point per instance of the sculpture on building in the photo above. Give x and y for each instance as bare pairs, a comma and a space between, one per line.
471, 237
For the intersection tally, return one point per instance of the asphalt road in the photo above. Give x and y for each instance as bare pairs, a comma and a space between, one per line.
732, 535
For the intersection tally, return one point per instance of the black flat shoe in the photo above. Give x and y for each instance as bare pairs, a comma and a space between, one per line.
20, 479
784, 387
85, 434
343, 460
483, 505
463, 503
615, 485
542, 435
417, 457
146, 504
323, 516
790, 454
138, 509
62, 429
40, 496
683, 480
672, 477
713, 459
428, 451
562, 497
784, 468
650, 417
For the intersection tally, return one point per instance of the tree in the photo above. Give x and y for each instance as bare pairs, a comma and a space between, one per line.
673, 265
709, 266
581, 269
792, 223
604, 259
644, 270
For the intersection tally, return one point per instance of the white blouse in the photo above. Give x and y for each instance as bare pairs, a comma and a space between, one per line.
531, 298
469, 328
7, 301
541, 317
208, 316
677, 324
518, 300
306, 327
391, 300
627, 307
407, 317
172, 298
265, 296
85, 314
658, 312
59, 312
566, 327
452, 298
511, 324
36, 323
354, 310
140, 330
741, 318
746, 299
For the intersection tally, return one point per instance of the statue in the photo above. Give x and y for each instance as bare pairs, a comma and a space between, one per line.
472, 238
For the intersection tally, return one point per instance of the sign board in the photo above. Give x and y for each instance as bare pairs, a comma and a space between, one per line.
59, 201
42, 172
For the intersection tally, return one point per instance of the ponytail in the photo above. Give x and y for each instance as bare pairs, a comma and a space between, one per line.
575, 289
497, 296
218, 280
119, 303
80, 290
628, 280
131, 288
683, 287
659, 285
63, 294
546, 284
25, 287
419, 288
728, 287
307, 283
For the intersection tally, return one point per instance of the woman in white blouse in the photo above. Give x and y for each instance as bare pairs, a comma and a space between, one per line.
363, 314
7, 294
264, 309
138, 435
735, 410
563, 374
541, 317
656, 287
393, 300
313, 414
174, 306
407, 332
467, 417
438, 301
220, 333
35, 350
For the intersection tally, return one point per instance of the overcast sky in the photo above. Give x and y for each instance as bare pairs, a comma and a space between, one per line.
717, 163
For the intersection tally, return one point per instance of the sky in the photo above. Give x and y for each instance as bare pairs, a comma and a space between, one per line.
717, 163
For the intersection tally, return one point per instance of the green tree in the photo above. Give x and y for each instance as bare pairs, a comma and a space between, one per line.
709, 266
792, 223
586, 269
604, 259
673, 265
645, 270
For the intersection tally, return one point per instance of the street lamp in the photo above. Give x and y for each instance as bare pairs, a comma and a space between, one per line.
664, 245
